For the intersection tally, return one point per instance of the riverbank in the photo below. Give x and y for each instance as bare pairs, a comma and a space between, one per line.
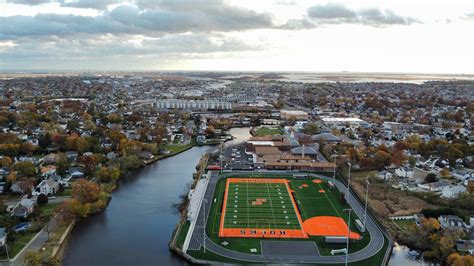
53, 247
144, 201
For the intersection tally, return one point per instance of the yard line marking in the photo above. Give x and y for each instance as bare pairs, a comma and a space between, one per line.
271, 205
248, 207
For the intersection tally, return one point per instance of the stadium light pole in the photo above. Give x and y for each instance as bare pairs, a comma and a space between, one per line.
348, 235
335, 163
204, 217
366, 199
348, 182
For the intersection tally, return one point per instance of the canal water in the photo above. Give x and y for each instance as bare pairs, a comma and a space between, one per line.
137, 225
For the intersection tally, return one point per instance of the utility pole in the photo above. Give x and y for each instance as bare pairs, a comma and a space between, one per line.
366, 198
348, 235
348, 182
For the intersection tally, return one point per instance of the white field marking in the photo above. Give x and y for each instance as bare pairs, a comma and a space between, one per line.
271, 204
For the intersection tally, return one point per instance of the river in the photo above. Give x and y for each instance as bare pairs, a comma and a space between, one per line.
137, 225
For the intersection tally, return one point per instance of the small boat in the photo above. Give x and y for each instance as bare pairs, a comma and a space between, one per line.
413, 253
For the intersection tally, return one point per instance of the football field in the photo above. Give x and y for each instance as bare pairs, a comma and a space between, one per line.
260, 208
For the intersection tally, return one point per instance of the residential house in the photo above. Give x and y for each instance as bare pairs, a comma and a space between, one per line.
48, 187
435, 186
452, 192
24, 208
451, 222
21, 186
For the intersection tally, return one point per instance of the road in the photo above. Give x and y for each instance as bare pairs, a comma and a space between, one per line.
36, 243
56, 200
198, 237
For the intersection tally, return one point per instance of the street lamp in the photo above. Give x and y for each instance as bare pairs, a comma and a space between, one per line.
204, 218
335, 163
366, 199
348, 234
348, 182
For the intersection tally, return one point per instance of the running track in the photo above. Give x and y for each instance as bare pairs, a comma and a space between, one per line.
198, 236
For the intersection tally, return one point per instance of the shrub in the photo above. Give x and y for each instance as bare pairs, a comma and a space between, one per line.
42, 199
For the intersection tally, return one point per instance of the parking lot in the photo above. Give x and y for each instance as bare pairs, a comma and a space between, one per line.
235, 158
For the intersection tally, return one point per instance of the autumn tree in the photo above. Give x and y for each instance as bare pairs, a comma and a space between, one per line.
24, 168
6, 161
381, 159
455, 259
85, 191
399, 158
108, 174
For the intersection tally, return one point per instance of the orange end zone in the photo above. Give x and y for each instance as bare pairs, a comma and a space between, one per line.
327, 226
263, 233
260, 233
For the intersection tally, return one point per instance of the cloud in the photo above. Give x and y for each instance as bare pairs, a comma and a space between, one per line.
94, 4
111, 51
331, 11
328, 14
130, 19
29, 2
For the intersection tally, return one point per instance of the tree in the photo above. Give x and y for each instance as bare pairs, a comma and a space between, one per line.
6, 161
42, 199
85, 191
400, 145
106, 174
430, 178
456, 259
381, 159
24, 168
82, 145
27, 148
399, 158
210, 130
11, 177
311, 129
445, 172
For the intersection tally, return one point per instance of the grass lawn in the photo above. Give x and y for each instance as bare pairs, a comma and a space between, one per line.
176, 148
310, 203
268, 131
363, 174
20, 241
405, 224
183, 231
54, 238
49, 209
66, 192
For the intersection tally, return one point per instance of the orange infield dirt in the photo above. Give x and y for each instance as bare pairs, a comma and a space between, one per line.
260, 233
327, 226
322, 191
304, 185
317, 181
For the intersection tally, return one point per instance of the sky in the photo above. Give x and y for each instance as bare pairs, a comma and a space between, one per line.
408, 36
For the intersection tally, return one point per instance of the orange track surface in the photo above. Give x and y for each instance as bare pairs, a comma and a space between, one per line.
327, 226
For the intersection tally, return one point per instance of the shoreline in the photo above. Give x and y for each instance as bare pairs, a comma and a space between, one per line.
60, 251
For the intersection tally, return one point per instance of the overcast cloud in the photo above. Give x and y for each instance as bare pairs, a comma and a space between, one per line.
154, 30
